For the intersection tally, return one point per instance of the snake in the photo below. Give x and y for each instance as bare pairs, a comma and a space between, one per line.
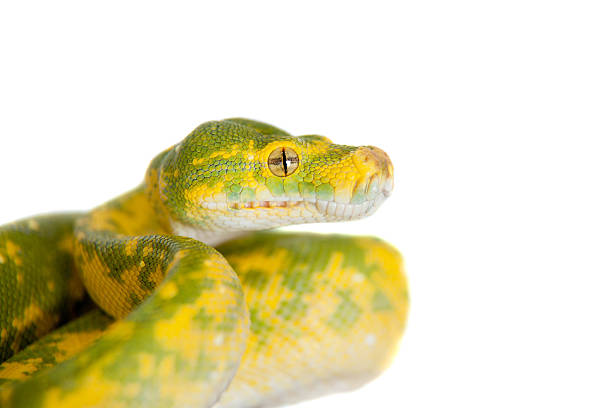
183, 293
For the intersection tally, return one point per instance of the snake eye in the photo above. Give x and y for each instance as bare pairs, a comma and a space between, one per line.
283, 161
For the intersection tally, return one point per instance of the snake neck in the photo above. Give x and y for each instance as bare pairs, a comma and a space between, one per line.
157, 204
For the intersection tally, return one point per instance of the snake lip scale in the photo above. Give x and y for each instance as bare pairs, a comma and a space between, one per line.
333, 208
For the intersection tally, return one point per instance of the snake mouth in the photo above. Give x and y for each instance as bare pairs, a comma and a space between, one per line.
256, 205
326, 208
376, 192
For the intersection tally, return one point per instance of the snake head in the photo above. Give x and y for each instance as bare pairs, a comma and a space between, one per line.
242, 175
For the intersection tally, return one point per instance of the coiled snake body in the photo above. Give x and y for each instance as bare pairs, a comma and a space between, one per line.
262, 319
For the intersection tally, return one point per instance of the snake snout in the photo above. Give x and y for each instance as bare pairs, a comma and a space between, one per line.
376, 169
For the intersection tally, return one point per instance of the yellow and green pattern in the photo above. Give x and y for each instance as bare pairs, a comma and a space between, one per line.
169, 297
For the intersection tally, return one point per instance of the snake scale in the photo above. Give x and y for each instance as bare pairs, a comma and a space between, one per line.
176, 295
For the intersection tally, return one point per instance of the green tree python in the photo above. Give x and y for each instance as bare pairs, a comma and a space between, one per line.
174, 295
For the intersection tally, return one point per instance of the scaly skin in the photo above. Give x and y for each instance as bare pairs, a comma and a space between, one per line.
25, 274
173, 326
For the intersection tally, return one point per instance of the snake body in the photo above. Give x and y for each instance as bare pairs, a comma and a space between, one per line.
130, 305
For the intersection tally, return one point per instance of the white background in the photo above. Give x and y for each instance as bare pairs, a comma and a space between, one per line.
496, 114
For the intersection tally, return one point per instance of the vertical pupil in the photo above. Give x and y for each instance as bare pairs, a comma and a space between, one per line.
284, 161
